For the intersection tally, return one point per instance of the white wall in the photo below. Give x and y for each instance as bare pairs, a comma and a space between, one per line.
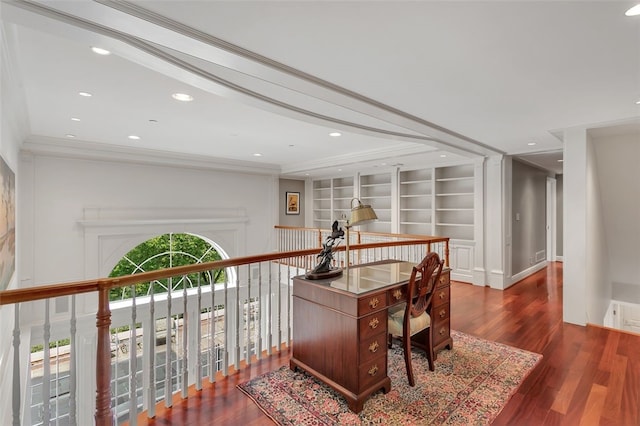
12, 129
619, 175
66, 192
598, 284
528, 216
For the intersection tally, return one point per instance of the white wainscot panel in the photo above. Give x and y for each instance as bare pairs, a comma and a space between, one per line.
461, 257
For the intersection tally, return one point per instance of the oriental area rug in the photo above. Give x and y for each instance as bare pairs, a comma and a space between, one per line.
470, 386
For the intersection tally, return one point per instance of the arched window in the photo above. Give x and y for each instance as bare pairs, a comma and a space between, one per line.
166, 251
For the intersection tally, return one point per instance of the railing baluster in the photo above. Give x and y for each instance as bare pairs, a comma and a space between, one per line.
289, 303
185, 340
248, 322
269, 314
279, 305
239, 315
73, 373
46, 367
198, 320
151, 340
15, 395
259, 313
133, 361
168, 376
213, 359
226, 320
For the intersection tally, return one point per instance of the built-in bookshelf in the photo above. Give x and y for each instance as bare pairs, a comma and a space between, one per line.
416, 202
434, 201
342, 196
454, 197
376, 190
322, 203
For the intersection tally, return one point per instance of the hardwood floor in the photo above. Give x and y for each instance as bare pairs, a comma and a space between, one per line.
588, 376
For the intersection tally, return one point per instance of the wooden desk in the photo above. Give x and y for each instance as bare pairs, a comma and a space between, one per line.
340, 326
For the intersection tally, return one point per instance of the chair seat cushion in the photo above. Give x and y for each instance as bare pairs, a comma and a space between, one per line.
396, 319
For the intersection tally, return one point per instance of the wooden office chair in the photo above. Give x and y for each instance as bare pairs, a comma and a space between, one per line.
413, 316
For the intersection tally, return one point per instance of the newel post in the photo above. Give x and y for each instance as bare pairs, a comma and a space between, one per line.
103, 415
446, 253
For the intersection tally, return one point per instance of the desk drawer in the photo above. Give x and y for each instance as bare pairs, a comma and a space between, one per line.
444, 280
372, 324
397, 295
372, 347
440, 331
372, 372
441, 296
372, 303
440, 313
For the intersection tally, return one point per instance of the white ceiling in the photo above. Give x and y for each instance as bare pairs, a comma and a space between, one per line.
405, 82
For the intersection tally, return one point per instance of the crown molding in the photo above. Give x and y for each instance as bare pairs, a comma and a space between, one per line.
79, 149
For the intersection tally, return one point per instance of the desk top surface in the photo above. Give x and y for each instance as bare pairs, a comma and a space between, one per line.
368, 277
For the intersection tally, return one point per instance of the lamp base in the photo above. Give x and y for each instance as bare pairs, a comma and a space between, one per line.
331, 273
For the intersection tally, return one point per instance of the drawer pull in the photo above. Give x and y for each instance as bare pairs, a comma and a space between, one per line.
441, 295
397, 294
374, 323
442, 313
443, 280
442, 331
373, 348
373, 370
374, 303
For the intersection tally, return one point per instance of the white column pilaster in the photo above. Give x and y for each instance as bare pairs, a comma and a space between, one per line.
575, 226
479, 270
495, 242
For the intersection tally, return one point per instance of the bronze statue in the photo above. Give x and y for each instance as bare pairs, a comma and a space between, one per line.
326, 255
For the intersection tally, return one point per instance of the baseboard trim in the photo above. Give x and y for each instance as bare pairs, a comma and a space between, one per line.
524, 274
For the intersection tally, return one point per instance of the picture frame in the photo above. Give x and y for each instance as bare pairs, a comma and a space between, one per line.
292, 203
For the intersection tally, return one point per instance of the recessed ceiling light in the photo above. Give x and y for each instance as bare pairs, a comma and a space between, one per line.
134, 137
182, 97
383, 164
85, 94
335, 134
75, 119
443, 155
69, 135
638, 102
100, 51
531, 143
635, 10
257, 154
561, 161
306, 174
339, 170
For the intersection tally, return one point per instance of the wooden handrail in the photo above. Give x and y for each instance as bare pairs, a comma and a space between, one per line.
19, 295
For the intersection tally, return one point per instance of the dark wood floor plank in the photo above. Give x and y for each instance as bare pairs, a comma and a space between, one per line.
588, 375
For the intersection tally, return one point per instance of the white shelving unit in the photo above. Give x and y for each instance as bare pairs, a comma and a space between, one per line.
454, 199
322, 203
376, 191
342, 196
436, 201
416, 202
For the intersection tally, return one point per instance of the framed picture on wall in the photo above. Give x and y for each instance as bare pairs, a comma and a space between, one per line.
292, 201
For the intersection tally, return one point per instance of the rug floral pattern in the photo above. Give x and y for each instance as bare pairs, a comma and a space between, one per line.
470, 386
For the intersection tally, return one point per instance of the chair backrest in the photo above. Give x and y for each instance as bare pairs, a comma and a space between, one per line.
421, 289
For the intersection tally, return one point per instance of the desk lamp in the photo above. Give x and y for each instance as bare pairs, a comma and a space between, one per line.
360, 215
